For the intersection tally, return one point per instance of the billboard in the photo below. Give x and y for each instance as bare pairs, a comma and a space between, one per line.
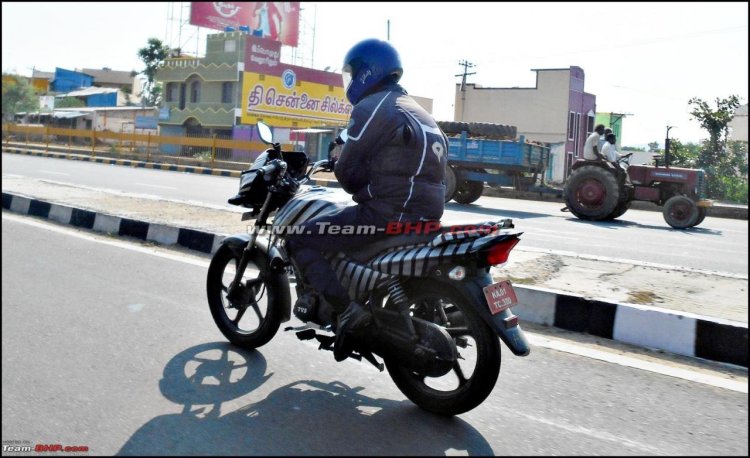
287, 95
278, 21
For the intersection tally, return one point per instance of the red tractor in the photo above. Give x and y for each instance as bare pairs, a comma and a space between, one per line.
599, 191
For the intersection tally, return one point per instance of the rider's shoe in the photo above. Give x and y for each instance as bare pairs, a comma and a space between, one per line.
351, 322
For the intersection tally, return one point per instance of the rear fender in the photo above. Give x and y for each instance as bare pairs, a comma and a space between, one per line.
276, 258
512, 335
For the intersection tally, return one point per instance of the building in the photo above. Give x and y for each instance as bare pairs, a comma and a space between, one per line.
202, 95
70, 80
738, 124
99, 97
614, 122
41, 81
555, 110
126, 81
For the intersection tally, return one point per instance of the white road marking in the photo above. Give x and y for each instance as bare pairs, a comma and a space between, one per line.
601, 435
156, 186
54, 173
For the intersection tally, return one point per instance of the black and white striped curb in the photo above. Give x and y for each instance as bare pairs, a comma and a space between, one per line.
677, 332
682, 333
204, 242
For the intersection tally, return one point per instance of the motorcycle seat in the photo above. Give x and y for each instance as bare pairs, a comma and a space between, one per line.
371, 250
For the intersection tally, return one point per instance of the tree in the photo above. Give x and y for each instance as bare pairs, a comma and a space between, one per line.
18, 96
684, 155
69, 102
722, 164
153, 56
653, 147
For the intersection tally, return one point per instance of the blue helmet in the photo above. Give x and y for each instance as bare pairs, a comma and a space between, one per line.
369, 64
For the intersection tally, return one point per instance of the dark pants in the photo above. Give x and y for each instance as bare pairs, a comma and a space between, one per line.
307, 249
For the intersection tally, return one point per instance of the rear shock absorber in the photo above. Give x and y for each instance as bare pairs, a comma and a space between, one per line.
398, 296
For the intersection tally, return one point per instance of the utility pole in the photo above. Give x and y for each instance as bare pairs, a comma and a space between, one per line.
466, 65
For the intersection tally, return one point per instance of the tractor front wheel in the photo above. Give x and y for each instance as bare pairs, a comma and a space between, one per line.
680, 212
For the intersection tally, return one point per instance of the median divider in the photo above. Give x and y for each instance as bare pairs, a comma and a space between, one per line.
652, 327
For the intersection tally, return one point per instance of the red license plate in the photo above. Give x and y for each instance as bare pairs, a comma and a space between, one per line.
500, 296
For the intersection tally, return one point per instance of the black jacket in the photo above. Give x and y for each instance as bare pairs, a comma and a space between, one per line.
395, 157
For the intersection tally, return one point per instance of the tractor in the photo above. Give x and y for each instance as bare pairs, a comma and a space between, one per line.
599, 190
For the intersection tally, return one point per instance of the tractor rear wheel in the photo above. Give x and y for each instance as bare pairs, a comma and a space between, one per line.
680, 212
592, 193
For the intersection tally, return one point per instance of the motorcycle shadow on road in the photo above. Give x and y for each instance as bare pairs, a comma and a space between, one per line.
305, 417
622, 223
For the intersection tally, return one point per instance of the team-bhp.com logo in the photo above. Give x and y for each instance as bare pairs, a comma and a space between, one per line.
17, 446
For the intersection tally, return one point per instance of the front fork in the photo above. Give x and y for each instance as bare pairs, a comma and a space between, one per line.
236, 290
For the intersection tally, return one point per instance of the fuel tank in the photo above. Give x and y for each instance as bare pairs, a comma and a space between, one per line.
311, 202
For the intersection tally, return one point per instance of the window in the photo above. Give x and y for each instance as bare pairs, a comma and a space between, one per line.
590, 127
226, 92
195, 92
571, 125
170, 96
230, 46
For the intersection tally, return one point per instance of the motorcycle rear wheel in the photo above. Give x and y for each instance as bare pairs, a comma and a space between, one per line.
474, 375
270, 293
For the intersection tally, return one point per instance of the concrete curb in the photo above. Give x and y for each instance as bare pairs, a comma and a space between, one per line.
678, 332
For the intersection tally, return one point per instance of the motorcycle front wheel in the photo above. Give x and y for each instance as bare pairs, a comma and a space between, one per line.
475, 372
253, 323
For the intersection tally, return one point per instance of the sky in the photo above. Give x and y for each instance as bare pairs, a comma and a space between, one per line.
646, 59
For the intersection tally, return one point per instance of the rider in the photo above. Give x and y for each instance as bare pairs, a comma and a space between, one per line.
591, 147
393, 163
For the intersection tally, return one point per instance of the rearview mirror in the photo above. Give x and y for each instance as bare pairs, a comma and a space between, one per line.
265, 133
344, 135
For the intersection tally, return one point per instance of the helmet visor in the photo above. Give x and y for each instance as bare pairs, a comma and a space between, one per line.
346, 74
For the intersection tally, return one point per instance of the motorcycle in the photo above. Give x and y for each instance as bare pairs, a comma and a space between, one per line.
437, 314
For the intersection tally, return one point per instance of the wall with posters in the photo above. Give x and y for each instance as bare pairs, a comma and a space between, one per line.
287, 95
278, 21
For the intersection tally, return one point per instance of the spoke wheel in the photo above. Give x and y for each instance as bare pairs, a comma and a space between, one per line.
253, 319
478, 365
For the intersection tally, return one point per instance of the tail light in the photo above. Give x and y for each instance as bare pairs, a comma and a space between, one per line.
498, 254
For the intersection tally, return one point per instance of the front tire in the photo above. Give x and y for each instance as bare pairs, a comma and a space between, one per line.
269, 295
478, 346
680, 212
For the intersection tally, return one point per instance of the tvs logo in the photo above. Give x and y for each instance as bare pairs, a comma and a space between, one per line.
226, 10
288, 78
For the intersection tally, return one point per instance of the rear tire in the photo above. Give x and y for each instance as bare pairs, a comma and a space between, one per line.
620, 210
450, 183
468, 191
483, 350
257, 327
680, 212
592, 193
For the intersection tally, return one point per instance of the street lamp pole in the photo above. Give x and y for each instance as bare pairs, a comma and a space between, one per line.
667, 154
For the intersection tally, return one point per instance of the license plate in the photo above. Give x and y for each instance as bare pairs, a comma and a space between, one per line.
500, 296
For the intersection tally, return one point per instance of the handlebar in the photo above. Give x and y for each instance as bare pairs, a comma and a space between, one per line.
272, 167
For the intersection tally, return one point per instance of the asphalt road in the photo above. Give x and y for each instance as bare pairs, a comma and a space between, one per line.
109, 346
718, 244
